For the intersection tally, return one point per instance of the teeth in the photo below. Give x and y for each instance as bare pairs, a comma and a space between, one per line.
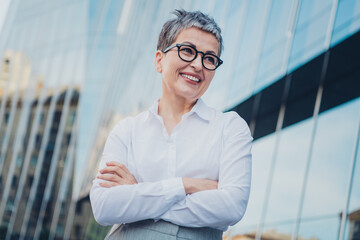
192, 78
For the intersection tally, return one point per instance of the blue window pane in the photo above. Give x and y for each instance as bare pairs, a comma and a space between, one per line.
241, 85
347, 20
353, 220
255, 23
355, 193
263, 150
279, 22
249, 49
331, 159
232, 32
275, 43
310, 32
270, 65
289, 173
310, 9
322, 228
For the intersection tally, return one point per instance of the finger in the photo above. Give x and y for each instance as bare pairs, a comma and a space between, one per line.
108, 184
119, 169
121, 178
114, 170
110, 177
115, 180
121, 165
130, 179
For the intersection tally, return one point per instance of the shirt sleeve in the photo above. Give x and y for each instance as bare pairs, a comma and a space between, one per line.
225, 206
130, 203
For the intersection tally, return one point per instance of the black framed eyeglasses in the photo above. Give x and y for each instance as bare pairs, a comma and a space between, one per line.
189, 53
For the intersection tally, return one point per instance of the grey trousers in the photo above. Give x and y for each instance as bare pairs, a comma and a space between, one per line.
161, 230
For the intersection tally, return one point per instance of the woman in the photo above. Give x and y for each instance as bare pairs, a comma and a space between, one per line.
180, 170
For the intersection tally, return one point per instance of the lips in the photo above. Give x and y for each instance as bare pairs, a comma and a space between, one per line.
191, 77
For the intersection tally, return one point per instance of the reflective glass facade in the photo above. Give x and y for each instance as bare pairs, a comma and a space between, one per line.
70, 70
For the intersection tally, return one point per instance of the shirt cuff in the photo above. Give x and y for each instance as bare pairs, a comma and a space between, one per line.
175, 189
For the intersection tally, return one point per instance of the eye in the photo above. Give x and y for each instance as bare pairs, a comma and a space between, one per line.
187, 50
210, 59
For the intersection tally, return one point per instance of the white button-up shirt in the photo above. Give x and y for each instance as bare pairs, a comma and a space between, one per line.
205, 144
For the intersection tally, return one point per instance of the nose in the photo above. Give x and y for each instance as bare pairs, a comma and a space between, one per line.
197, 63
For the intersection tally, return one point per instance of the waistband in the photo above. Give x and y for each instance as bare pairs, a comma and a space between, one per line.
166, 228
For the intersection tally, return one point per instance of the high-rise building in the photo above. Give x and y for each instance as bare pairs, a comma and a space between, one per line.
37, 165
291, 70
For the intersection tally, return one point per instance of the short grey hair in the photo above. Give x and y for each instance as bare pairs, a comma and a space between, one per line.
184, 20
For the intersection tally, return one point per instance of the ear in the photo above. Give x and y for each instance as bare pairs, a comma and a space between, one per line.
158, 61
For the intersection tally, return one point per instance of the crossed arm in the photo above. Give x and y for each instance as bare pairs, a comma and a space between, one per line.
116, 197
116, 174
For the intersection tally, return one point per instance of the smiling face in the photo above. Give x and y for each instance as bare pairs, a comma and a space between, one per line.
186, 80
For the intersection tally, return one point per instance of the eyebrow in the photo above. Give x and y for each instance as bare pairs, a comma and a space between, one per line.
193, 45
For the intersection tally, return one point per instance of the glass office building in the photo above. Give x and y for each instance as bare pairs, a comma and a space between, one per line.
71, 69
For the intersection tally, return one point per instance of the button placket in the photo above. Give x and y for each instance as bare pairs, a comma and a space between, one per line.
172, 155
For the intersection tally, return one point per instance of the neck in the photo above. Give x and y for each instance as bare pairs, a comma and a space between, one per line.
174, 107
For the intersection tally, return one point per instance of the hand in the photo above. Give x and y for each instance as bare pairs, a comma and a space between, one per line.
116, 174
193, 185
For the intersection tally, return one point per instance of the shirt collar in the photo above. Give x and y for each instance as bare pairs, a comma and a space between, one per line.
153, 110
200, 108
